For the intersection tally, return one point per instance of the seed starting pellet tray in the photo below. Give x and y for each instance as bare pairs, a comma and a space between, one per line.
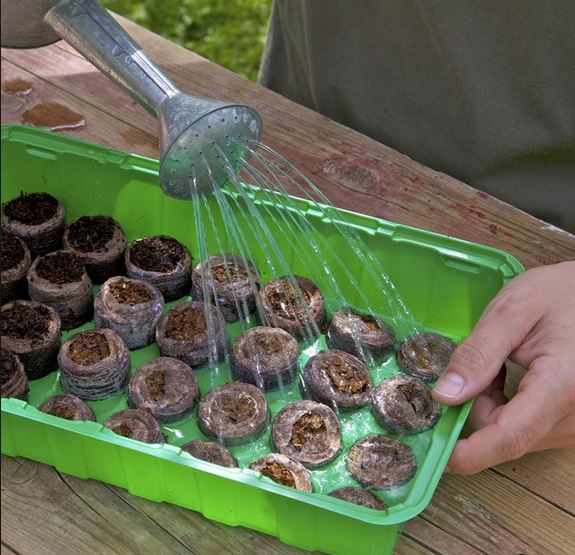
445, 282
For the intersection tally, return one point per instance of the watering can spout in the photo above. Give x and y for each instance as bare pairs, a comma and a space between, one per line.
200, 138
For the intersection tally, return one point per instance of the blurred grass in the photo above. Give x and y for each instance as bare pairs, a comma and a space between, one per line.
229, 32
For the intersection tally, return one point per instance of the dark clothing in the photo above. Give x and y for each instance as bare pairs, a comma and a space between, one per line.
484, 91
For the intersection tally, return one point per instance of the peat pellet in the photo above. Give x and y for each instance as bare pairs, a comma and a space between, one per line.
187, 333
403, 405
13, 379
69, 407
381, 462
166, 387
32, 331
14, 263
298, 309
38, 219
130, 307
337, 378
135, 424
94, 364
359, 496
425, 355
284, 470
361, 335
59, 280
228, 281
164, 262
100, 243
210, 451
234, 413
265, 357
307, 432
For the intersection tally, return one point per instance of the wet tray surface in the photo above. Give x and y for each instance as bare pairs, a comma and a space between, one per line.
445, 282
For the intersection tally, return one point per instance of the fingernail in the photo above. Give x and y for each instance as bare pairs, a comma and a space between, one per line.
447, 469
449, 385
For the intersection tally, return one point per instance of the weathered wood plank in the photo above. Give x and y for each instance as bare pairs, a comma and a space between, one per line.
499, 516
549, 474
42, 512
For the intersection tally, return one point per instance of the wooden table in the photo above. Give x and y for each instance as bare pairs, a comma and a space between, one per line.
525, 506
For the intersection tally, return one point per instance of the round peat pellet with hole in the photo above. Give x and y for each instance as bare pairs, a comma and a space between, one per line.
284, 470
166, 387
189, 334
210, 451
69, 407
381, 462
15, 261
38, 219
234, 413
265, 357
294, 304
337, 378
59, 280
32, 331
94, 364
308, 432
164, 262
13, 379
228, 281
135, 424
425, 355
359, 496
361, 335
403, 405
100, 242
130, 307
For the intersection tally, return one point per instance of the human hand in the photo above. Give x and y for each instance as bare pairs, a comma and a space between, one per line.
532, 322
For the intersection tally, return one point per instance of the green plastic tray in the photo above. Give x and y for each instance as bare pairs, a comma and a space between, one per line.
445, 282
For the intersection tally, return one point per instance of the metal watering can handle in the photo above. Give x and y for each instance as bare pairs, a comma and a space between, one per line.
99, 38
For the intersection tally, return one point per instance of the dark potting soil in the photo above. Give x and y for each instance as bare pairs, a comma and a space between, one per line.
89, 348
126, 292
63, 411
229, 275
7, 366
286, 301
25, 322
157, 254
11, 251
279, 473
237, 409
306, 427
156, 384
184, 325
344, 377
32, 209
60, 268
91, 233
268, 345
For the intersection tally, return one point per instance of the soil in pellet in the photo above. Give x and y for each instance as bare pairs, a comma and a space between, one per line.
185, 325
89, 348
130, 293
60, 268
32, 209
7, 366
11, 251
25, 322
91, 233
157, 254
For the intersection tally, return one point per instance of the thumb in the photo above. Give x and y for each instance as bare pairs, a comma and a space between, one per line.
477, 361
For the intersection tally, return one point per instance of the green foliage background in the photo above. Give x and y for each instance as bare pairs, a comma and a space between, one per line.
229, 32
